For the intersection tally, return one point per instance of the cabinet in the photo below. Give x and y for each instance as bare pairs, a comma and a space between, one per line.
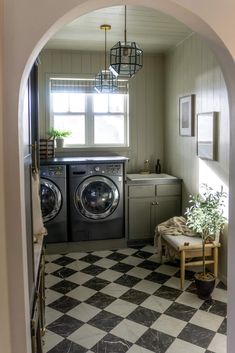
149, 205
30, 138
35, 253
38, 316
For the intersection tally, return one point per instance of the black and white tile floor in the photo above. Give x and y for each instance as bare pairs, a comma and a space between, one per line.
125, 301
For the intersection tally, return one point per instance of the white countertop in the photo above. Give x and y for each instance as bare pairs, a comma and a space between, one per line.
150, 176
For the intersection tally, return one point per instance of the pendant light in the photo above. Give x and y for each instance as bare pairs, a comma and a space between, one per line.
126, 58
105, 81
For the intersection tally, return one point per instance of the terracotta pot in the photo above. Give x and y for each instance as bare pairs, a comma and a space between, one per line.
205, 286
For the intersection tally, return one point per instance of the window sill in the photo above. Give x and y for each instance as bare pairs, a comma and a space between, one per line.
88, 149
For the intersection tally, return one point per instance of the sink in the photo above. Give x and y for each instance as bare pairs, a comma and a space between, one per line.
150, 176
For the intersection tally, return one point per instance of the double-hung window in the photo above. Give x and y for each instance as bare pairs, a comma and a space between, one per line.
94, 120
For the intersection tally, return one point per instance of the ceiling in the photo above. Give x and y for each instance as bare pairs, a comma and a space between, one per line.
154, 31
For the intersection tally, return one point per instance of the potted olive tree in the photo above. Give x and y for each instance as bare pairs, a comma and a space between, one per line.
58, 136
206, 218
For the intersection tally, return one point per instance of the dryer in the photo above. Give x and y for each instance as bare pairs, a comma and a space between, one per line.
96, 201
54, 202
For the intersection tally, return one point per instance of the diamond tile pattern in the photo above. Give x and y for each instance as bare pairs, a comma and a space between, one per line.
64, 304
63, 261
119, 301
64, 286
105, 321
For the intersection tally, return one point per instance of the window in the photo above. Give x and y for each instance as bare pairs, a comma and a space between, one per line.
93, 119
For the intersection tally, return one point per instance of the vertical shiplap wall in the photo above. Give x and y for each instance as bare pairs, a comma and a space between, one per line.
191, 68
146, 102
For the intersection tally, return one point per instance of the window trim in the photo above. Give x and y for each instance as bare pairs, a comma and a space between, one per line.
89, 123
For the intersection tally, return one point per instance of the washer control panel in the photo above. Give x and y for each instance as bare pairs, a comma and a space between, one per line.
106, 169
112, 169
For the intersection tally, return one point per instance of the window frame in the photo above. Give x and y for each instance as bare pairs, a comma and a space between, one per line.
89, 116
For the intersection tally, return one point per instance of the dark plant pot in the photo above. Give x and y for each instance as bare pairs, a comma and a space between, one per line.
205, 285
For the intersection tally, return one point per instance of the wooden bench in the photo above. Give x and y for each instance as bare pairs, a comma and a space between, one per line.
188, 248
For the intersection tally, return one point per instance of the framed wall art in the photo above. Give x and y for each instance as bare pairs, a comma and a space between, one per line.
186, 115
207, 135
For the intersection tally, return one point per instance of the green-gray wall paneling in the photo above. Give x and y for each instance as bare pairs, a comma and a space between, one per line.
146, 101
192, 68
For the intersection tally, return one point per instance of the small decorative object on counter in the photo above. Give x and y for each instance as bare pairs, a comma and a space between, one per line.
47, 148
146, 167
158, 167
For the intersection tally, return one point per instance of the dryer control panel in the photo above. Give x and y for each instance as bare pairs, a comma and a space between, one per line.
53, 171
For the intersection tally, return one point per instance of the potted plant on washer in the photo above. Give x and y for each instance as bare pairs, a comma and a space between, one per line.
206, 218
58, 136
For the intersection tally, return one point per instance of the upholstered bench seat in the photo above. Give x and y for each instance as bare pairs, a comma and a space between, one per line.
188, 248
179, 241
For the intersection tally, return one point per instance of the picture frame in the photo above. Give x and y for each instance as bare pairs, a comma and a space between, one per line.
207, 136
186, 115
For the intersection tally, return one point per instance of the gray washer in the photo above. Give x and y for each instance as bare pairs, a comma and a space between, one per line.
53, 202
96, 201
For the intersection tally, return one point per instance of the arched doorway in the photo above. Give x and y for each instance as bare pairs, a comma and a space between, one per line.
35, 28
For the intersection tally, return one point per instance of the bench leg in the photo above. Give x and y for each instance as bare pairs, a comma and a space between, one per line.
160, 254
182, 268
215, 258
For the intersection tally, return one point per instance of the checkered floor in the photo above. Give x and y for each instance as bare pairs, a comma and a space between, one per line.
125, 301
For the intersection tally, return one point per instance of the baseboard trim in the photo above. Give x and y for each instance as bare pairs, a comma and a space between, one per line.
222, 278
93, 245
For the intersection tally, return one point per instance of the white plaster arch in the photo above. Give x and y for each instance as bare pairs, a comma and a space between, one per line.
28, 25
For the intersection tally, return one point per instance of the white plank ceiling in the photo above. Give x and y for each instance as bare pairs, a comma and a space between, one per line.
154, 31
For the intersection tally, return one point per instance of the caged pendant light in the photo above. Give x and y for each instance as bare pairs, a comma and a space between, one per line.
126, 58
105, 80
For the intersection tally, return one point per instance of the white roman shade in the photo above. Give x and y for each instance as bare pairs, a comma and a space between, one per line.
80, 85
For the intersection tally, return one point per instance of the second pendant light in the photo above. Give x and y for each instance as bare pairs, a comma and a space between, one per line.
105, 81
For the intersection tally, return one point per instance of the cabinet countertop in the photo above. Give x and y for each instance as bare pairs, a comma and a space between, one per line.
151, 178
81, 160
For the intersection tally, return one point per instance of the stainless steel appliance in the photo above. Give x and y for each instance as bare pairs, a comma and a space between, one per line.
54, 202
96, 201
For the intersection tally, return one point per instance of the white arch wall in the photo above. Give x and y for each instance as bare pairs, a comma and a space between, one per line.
26, 22
4, 322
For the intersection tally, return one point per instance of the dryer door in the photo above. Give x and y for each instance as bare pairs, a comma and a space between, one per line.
96, 197
51, 199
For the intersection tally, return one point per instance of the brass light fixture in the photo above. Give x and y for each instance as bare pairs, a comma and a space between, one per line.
126, 58
105, 80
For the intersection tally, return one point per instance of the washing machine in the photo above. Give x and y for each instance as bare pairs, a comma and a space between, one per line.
53, 202
96, 201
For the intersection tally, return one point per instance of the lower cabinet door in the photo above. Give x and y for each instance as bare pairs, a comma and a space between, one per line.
38, 315
167, 207
36, 332
144, 214
140, 218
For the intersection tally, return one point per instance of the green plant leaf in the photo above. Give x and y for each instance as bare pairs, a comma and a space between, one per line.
205, 215
58, 133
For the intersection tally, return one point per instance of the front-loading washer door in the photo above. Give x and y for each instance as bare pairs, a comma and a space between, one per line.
96, 197
51, 199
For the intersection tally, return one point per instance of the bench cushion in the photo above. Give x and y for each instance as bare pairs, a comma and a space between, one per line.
178, 241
